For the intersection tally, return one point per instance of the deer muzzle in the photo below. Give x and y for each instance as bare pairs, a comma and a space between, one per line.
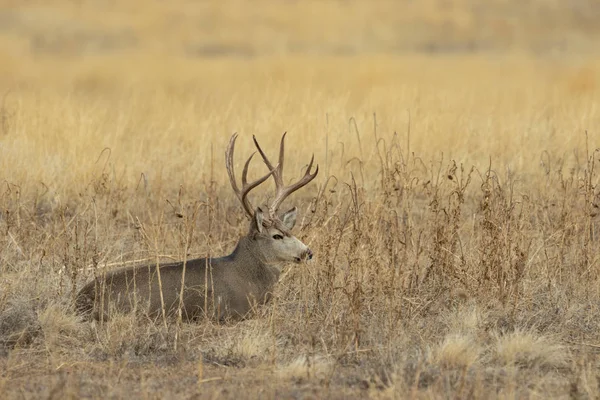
305, 255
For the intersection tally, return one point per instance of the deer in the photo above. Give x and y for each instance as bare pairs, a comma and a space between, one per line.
222, 288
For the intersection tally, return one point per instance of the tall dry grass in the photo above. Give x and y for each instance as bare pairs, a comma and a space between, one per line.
454, 220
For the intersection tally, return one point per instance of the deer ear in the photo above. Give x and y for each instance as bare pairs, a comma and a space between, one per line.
257, 221
289, 218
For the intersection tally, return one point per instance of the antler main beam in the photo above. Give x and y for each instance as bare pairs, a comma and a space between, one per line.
242, 194
282, 192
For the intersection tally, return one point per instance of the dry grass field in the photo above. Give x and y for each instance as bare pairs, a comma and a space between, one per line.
454, 220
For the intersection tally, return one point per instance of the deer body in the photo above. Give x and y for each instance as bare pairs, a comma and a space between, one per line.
221, 283
222, 288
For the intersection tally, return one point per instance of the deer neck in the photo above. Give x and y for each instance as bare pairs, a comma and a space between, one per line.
251, 264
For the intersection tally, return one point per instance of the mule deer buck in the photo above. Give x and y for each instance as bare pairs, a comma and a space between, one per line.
221, 288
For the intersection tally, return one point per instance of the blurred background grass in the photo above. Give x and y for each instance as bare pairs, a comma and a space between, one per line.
162, 84
247, 29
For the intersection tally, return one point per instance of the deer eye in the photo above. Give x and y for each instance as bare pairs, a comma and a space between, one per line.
277, 237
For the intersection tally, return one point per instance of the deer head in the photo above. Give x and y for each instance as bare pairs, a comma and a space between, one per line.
270, 231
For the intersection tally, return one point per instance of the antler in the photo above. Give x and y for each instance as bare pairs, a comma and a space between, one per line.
282, 192
246, 187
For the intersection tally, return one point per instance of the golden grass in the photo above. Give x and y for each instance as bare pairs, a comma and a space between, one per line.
305, 367
454, 219
526, 348
457, 351
466, 108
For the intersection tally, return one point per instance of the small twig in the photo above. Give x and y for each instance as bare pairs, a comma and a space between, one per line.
595, 346
216, 378
12, 238
123, 263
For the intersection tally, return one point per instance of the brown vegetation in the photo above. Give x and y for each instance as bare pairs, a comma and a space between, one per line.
454, 221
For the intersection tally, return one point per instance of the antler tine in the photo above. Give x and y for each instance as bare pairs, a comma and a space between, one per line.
284, 192
242, 194
281, 155
245, 170
229, 163
278, 171
246, 188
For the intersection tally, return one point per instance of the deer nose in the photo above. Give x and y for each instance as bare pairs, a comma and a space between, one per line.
309, 254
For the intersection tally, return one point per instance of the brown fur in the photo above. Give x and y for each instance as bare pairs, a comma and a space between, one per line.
225, 287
